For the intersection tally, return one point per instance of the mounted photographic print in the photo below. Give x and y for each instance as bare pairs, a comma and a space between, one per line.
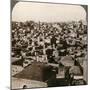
48, 44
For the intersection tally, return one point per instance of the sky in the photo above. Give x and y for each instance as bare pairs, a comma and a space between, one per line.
47, 12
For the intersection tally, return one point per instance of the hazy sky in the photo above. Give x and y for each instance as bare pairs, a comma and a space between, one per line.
47, 12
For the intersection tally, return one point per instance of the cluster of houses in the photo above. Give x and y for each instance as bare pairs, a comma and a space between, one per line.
48, 54
68, 72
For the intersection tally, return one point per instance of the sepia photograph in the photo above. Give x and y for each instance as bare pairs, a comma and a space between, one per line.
49, 44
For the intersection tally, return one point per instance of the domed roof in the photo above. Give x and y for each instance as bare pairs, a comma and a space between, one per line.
75, 70
67, 61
